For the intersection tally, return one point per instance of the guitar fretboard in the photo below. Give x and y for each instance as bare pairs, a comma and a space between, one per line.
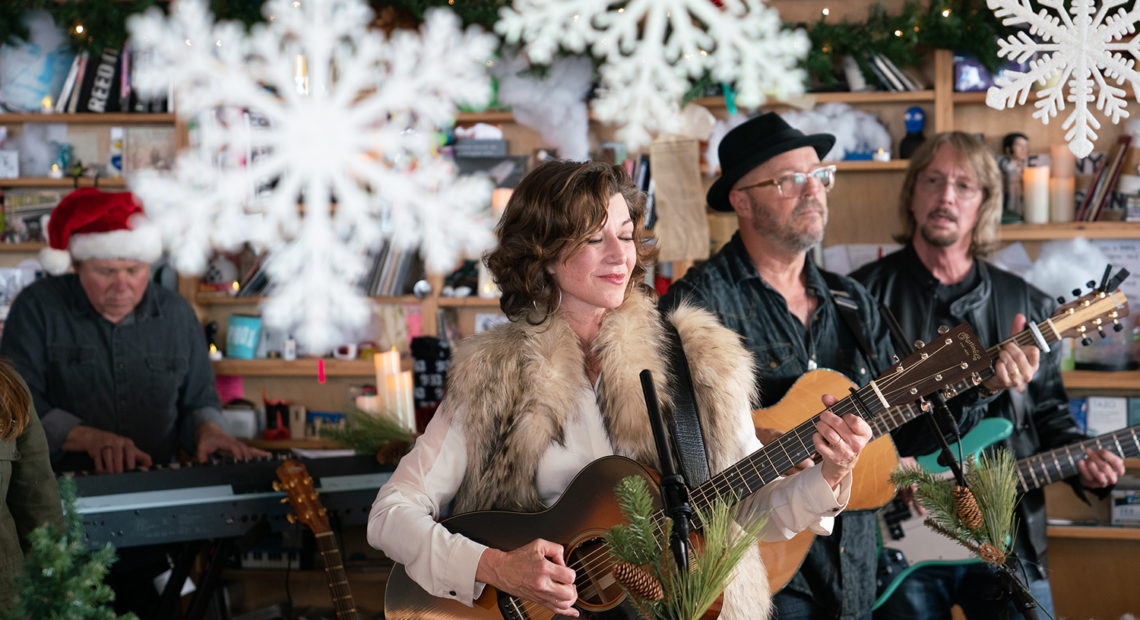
1048, 467
338, 581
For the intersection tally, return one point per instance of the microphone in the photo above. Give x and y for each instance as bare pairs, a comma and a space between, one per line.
674, 493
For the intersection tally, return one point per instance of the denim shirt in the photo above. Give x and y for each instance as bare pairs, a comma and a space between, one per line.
839, 570
147, 378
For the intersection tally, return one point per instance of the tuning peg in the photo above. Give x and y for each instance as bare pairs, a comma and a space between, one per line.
277, 486
1076, 292
918, 344
1116, 326
1061, 299
291, 518
1091, 284
942, 329
1085, 341
1100, 330
284, 500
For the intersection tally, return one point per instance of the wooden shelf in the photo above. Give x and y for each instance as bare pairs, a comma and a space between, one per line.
486, 116
294, 368
974, 97
22, 246
227, 300
113, 118
380, 575
289, 444
1097, 532
865, 165
1089, 230
64, 183
469, 302
1099, 380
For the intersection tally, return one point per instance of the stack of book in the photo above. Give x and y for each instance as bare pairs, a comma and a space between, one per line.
393, 271
1098, 198
98, 83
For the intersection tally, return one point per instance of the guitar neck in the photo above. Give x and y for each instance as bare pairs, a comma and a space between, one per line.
897, 416
1046, 468
338, 580
768, 463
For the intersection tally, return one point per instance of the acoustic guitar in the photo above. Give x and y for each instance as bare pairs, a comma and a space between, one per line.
302, 497
871, 486
923, 547
588, 507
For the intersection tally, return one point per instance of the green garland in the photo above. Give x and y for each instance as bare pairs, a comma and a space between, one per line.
963, 26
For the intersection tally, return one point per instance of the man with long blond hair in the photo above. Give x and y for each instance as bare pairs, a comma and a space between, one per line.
950, 205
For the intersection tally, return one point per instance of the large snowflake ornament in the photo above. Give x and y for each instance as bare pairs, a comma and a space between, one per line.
651, 49
317, 141
1084, 45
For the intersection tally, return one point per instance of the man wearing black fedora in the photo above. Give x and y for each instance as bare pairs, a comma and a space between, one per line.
763, 285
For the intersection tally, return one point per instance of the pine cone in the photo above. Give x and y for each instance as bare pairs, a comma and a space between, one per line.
991, 554
392, 451
967, 506
639, 582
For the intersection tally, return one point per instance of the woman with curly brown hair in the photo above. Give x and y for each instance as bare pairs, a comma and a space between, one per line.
531, 402
31, 497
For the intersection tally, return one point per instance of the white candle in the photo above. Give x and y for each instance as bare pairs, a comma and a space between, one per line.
386, 365
1061, 200
1064, 163
399, 387
1036, 192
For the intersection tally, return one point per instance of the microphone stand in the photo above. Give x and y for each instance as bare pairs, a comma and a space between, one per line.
1011, 585
674, 493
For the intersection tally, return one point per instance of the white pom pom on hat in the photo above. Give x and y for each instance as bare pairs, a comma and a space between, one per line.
91, 223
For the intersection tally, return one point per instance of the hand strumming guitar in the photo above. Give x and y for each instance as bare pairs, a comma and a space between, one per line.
535, 572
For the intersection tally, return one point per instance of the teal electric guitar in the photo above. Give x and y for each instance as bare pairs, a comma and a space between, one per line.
924, 547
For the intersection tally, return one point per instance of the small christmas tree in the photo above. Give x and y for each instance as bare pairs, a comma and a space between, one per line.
60, 578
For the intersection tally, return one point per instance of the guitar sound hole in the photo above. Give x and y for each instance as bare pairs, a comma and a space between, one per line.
598, 590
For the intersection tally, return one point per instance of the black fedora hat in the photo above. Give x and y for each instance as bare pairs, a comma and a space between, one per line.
754, 142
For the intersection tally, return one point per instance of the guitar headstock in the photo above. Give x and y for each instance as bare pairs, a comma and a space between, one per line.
1092, 311
302, 497
953, 356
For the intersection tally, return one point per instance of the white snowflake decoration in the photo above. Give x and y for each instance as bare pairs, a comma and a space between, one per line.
652, 48
361, 131
1086, 50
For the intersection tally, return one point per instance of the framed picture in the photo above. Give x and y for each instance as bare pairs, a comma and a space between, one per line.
9, 164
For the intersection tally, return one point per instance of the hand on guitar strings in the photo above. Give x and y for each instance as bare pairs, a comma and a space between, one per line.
839, 442
1100, 468
536, 572
768, 435
1015, 365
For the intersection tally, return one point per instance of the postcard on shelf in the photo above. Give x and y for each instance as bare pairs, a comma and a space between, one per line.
9, 164
148, 147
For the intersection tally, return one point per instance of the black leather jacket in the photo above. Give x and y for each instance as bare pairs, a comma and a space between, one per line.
1040, 415
839, 570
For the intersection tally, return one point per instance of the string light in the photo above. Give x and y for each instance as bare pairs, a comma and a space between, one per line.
826, 11
898, 33
79, 29
945, 12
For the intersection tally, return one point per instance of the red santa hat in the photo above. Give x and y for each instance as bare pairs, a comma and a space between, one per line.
91, 223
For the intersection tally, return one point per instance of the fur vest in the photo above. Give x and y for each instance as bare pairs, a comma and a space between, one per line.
519, 382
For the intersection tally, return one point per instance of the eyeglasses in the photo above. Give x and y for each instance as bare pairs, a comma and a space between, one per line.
936, 184
791, 185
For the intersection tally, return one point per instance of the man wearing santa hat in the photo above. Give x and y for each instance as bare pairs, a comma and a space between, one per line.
117, 366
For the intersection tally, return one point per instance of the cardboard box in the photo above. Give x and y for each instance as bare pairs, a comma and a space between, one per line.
1126, 507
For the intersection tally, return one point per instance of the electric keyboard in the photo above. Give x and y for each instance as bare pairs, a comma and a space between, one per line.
215, 500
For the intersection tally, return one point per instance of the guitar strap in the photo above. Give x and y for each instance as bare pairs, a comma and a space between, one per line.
688, 437
849, 310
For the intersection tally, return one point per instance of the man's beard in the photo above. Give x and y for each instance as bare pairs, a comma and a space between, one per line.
785, 232
943, 240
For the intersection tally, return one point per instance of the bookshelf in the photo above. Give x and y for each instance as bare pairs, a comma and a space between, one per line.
1070, 230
